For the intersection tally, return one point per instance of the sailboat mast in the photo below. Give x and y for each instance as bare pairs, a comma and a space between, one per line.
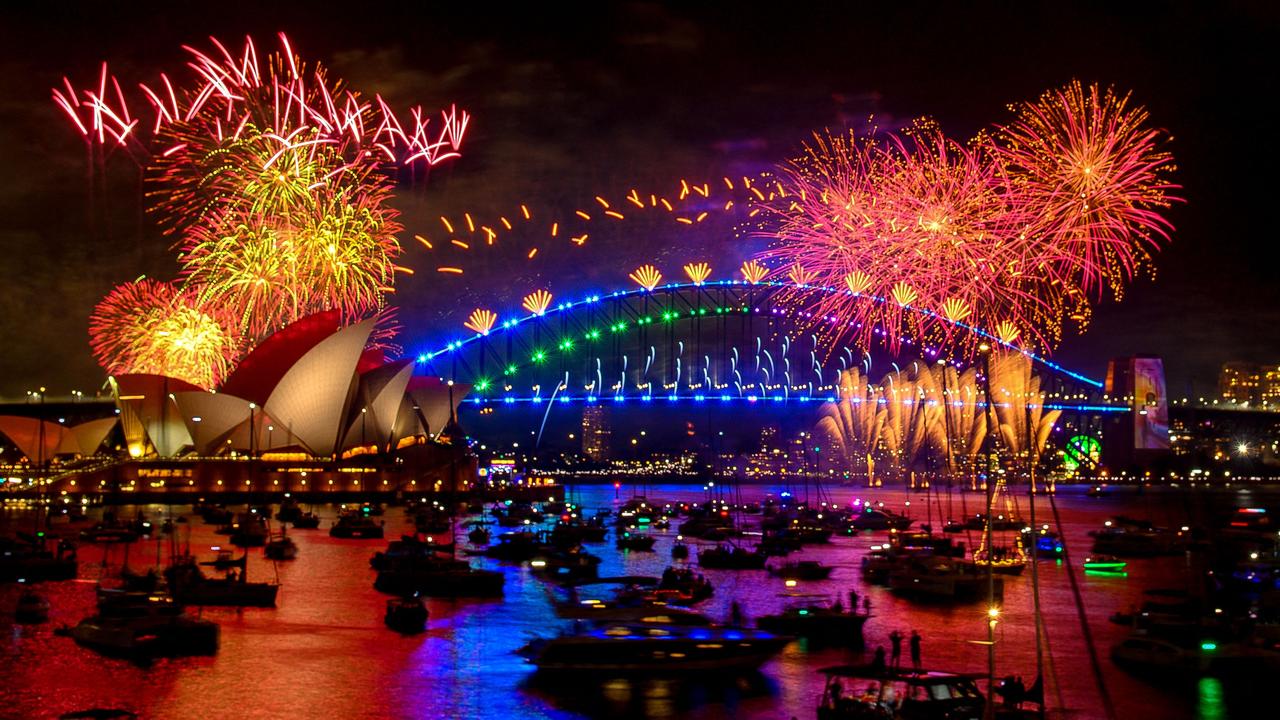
992, 467
1032, 452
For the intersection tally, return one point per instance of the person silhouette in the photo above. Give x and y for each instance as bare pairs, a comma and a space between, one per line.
915, 650
877, 663
895, 642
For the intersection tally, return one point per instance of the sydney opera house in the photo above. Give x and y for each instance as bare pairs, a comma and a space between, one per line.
311, 408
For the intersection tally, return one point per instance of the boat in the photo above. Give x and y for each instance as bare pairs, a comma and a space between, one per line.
289, 511
190, 586
109, 532
801, 570
479, 533
819, 618
1134, 541
26, 558
866, 693
98, 713
1104, 564
628, 540
516, 547
730, 557
1145, 654
249, 530
939, 578
280, 547
225, 559
654, 648
144, 626
677, 586
355, 526
406, 615
149, 581
439, 577
879, 519
32, 608
1097, 491
306, 521
572, 564
408, 549
679, 551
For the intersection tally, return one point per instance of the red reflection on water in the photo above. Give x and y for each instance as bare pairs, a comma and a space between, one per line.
325, 651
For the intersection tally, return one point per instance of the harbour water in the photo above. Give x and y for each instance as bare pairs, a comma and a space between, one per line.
324, 651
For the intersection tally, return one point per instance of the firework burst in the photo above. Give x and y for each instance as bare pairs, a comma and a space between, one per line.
1012, 233
272, 177
1093, 178
147, 326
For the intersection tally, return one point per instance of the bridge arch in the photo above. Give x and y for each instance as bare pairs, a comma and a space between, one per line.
727, 340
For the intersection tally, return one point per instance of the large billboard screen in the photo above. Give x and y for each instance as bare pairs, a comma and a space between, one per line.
1150, 405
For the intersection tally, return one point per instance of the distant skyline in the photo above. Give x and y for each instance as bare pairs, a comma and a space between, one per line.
571, 103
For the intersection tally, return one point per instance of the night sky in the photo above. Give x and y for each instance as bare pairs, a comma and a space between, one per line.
567, 105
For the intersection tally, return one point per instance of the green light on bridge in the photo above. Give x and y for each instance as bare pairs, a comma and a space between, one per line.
483, 384
566, 345
539, 356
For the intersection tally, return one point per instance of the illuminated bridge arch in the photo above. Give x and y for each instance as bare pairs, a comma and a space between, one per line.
727, 340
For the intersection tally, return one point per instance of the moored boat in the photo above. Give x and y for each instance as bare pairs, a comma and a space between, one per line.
819, 619
865, 693
32, 608
356, 526
406, 615
801, 570
143, 626
1104, 563
653, 648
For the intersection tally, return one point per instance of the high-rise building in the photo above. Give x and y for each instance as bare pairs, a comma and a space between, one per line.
595, 433
1242, 382
1270, 391
768, 437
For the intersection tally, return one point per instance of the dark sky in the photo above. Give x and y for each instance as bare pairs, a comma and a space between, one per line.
568, 104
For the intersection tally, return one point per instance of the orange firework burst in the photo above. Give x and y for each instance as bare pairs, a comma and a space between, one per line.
537, 302
646, 276
481, 321
147, 326
697, 272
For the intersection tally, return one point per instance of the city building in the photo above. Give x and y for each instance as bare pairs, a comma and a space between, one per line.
596, 435
1253, 384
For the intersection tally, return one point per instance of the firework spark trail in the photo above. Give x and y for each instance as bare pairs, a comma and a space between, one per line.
232, 92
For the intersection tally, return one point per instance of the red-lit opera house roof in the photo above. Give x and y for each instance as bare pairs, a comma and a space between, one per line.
261, 370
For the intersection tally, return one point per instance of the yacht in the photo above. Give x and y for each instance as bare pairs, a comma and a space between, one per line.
628, 540
190, 586
439, 577
355, 526
818, 618
144, 626
801, 570
406, 615
306, 521
864, 693
939, 578
30, 561
731, 558
643, 648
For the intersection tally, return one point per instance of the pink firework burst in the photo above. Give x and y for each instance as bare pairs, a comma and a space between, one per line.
1012, 234
1092, 179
